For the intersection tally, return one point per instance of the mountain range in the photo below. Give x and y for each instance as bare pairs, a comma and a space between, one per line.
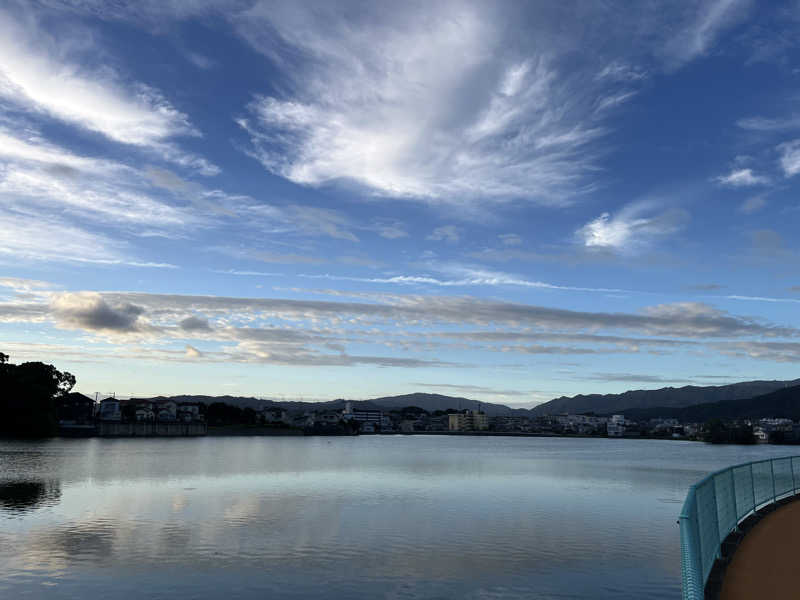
430, 402
668, 397
782, 403
641, 403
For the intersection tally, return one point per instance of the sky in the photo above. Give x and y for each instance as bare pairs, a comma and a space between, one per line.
314, 200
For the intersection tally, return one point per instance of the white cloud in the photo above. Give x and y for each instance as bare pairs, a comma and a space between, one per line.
614, 100
390, 230
200, 61
510, 239
37, 150
88, 197
446, 233
23, 237
163, 313
78, 200
39, 179
699, 27
790, 158
464, 277
423, 104
308, 332
634, 227
781, 352
321, 221
43, 72
90, 311
192, 352
621, 71
765, 124
38, 237
742, 178
753, 204
765, 299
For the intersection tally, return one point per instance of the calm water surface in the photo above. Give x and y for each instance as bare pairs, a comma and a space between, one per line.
364, 517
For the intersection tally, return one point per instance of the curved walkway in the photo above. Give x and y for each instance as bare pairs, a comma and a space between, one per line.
766, 564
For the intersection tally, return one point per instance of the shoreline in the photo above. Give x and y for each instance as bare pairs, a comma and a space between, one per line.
266, 431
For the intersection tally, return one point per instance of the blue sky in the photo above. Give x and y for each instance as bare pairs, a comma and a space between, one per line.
508, 201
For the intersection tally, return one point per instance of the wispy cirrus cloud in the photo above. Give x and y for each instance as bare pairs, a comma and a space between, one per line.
782, 352
461, 276
790, 157
59, 205
636, 226
742, 178
510, 239
615, 100
446, 233
753, 204
390, 230
706, 287
766, 124
50, 74
386, 108
23, 237
689, 319
320, 333
700, 25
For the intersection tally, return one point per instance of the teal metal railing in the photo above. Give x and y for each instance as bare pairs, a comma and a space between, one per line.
716, 505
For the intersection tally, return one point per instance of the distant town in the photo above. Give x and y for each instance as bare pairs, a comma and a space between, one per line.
112, 417
39, 402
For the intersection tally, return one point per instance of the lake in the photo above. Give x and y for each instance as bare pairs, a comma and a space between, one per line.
348, 517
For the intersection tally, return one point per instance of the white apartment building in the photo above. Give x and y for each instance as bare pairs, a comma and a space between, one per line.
469, 420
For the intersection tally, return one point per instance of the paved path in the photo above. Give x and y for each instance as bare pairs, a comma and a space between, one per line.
766, 564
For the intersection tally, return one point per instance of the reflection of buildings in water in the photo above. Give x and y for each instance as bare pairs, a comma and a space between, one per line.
28, 495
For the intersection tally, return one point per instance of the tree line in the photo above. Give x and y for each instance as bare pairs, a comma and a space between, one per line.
28, 396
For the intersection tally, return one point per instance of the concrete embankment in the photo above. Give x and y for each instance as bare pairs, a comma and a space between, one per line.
143, 429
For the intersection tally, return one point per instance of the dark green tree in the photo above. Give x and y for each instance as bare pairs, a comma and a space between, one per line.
27, 397
717, 431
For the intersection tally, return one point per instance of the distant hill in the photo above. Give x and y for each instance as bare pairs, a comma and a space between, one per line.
668, 397
260, 403
430, 402
664, 398
782, 403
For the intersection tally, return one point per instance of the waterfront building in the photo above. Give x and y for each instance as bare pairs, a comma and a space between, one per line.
145, 412
74, 409
663, 424
167, 411
329, 417
303, 421
438, 423
509, 423
469, 420
189, 413
616, 426
371, 416
110, 410
362, 415
407, 426
582, 424
275, 414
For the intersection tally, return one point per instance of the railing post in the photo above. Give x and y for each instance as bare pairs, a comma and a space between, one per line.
717, 554
752, 487
735, 502
791, 467
772, 471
